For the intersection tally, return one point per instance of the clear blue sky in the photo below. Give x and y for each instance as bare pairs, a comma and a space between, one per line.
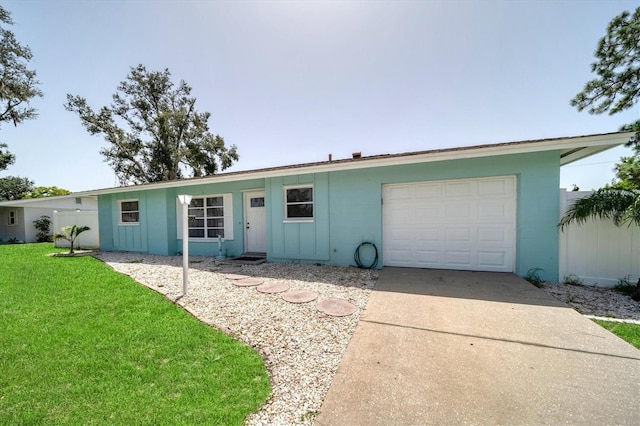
291, 82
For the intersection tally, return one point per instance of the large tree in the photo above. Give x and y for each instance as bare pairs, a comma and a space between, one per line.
14, 188
617, 85
628, 171
46, 191
153, 130
18, 84
616, 89
6, 158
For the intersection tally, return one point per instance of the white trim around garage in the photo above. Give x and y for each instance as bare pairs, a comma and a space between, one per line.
467, 224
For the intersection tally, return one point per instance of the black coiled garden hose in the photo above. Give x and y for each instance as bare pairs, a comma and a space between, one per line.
356, 256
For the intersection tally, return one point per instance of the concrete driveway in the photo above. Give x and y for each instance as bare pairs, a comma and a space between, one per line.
452, 347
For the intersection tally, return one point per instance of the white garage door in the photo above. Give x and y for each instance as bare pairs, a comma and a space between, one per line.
455, 224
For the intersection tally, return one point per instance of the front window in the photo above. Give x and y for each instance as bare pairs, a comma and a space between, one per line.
206, 217
12, 217
299, 203
129, 212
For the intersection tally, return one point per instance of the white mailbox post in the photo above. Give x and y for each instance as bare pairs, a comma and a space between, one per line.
185, 200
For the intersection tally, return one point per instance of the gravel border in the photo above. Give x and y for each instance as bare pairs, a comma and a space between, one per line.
592, 301
301, 346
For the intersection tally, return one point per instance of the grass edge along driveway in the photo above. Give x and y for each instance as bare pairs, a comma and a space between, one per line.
82, 344
626, 331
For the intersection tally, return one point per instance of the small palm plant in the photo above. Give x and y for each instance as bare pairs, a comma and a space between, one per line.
70, 233
618, 204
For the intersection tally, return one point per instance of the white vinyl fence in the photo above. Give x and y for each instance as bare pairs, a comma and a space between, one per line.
598, 252
88, 239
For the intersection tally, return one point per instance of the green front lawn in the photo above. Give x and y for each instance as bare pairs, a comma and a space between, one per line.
628, 332
82, 344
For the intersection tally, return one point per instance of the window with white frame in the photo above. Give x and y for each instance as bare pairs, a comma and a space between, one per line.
299, 203
13, 219
206, 217
129, 212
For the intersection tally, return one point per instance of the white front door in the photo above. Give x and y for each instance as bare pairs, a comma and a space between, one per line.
255, 222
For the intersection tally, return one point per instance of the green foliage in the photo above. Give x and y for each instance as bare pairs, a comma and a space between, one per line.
46, 191
6, 158
14, 188
309, 416
84, 345
626, 331
617, 85
619, 205
616, 88
625, 287
628, 172
70, 233
534, 278
18, 84
43, 226
572, 279
162, 135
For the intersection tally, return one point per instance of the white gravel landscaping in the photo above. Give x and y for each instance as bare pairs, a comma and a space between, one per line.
300, 345
600, 302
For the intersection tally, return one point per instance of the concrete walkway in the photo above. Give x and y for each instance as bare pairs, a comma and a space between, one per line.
450, 347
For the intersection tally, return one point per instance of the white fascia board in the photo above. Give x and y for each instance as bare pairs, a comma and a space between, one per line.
46, 201
576, 144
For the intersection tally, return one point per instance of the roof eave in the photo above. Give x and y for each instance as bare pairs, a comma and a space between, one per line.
571, 149
47, 200
573, 155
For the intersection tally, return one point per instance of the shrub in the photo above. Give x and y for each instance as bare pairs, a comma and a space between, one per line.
625, 286
70, 233
572, 279
534, 278
43, 226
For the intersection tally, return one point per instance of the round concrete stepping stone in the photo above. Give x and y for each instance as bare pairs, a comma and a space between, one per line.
336, 307
300, 296
273, 288
236, 276
247, 282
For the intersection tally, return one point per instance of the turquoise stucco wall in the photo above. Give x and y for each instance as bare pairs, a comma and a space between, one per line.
234, 247
149, 236
116, 237
159, 210
105, 221
157, 231
353, 203
348, 211
298, 241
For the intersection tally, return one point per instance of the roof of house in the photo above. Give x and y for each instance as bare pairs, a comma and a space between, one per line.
570, 149
44, 202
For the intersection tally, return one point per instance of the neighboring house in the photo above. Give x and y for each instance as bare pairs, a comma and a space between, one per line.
16, 217
489, 208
